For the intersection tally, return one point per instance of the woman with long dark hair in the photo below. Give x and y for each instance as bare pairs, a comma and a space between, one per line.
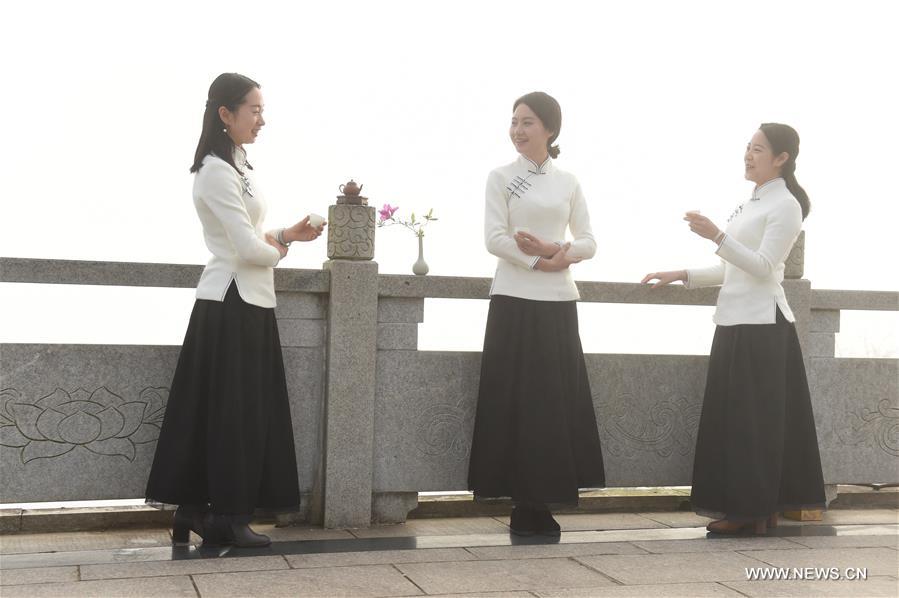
226, 446
756, 449
535, 435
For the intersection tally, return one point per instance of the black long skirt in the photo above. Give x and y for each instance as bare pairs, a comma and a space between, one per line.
535, 435
756, 449
227, 438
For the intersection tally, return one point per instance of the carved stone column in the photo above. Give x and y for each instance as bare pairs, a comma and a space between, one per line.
351, 226
345, 486
351, 232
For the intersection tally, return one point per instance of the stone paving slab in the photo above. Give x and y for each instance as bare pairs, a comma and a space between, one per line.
718, 544
672, 568
167, 587
435, 527
890, 541
851, 517
183, 567
9, 577
486, 595
85, 557
873, 529
538, 551
665, 556
879, 561
600, 521
663, 590
381, 557
677, 518
870, 588
634, 535
494, 576
377, 580
69, 541
295, 534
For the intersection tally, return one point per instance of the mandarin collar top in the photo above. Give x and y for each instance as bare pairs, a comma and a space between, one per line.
767, 188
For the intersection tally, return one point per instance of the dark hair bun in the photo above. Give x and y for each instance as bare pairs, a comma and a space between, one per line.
553, 151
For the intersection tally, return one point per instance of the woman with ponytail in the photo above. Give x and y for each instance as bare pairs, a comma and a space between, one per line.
535, 436
226, 445
756, 448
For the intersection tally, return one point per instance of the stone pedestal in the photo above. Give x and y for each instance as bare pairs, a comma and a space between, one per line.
351, 232
350, 393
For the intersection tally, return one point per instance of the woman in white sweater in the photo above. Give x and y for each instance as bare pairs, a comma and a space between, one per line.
226, 446
756, 449
535, 438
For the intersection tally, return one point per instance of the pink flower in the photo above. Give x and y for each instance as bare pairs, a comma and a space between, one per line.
387, 211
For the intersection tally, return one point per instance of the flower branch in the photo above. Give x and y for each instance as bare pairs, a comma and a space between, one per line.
387, 218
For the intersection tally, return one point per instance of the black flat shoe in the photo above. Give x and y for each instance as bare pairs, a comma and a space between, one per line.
188, 519
546, 524
522, 522
233, 530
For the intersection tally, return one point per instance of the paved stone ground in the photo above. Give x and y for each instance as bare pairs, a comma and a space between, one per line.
626, 554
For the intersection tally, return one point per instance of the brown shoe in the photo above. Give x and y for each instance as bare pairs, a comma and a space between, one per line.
728, 527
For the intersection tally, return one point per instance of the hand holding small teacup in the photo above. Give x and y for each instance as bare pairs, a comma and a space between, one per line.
316, 221
701, 225
304, 230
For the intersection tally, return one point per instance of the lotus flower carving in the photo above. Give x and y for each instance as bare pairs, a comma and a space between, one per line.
100, 421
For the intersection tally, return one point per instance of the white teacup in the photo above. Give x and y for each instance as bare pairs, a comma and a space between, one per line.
315, 220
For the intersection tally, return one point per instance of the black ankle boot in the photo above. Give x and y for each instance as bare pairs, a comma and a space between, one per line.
188, 518
522, 521
545, 524
234, 530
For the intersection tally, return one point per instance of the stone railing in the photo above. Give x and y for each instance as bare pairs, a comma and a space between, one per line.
376, 420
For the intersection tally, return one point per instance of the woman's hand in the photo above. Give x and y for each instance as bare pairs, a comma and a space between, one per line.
282, 249
303, 231
702, 226
558, 262
665, 277
531, 245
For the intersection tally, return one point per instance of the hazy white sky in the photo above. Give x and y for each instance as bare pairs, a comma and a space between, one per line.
413, 99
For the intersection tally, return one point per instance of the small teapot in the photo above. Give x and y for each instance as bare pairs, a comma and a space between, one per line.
350, 188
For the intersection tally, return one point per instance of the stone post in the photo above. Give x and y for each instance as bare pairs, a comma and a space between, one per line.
825, 324
799, 294
301, 326
345, 485
398, 320
350, 393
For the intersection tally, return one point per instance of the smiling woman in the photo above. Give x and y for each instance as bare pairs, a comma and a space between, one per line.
232, 118
535, 436
757, 447
226, 445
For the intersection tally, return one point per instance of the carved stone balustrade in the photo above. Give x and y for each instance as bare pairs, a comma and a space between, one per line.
375, 419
